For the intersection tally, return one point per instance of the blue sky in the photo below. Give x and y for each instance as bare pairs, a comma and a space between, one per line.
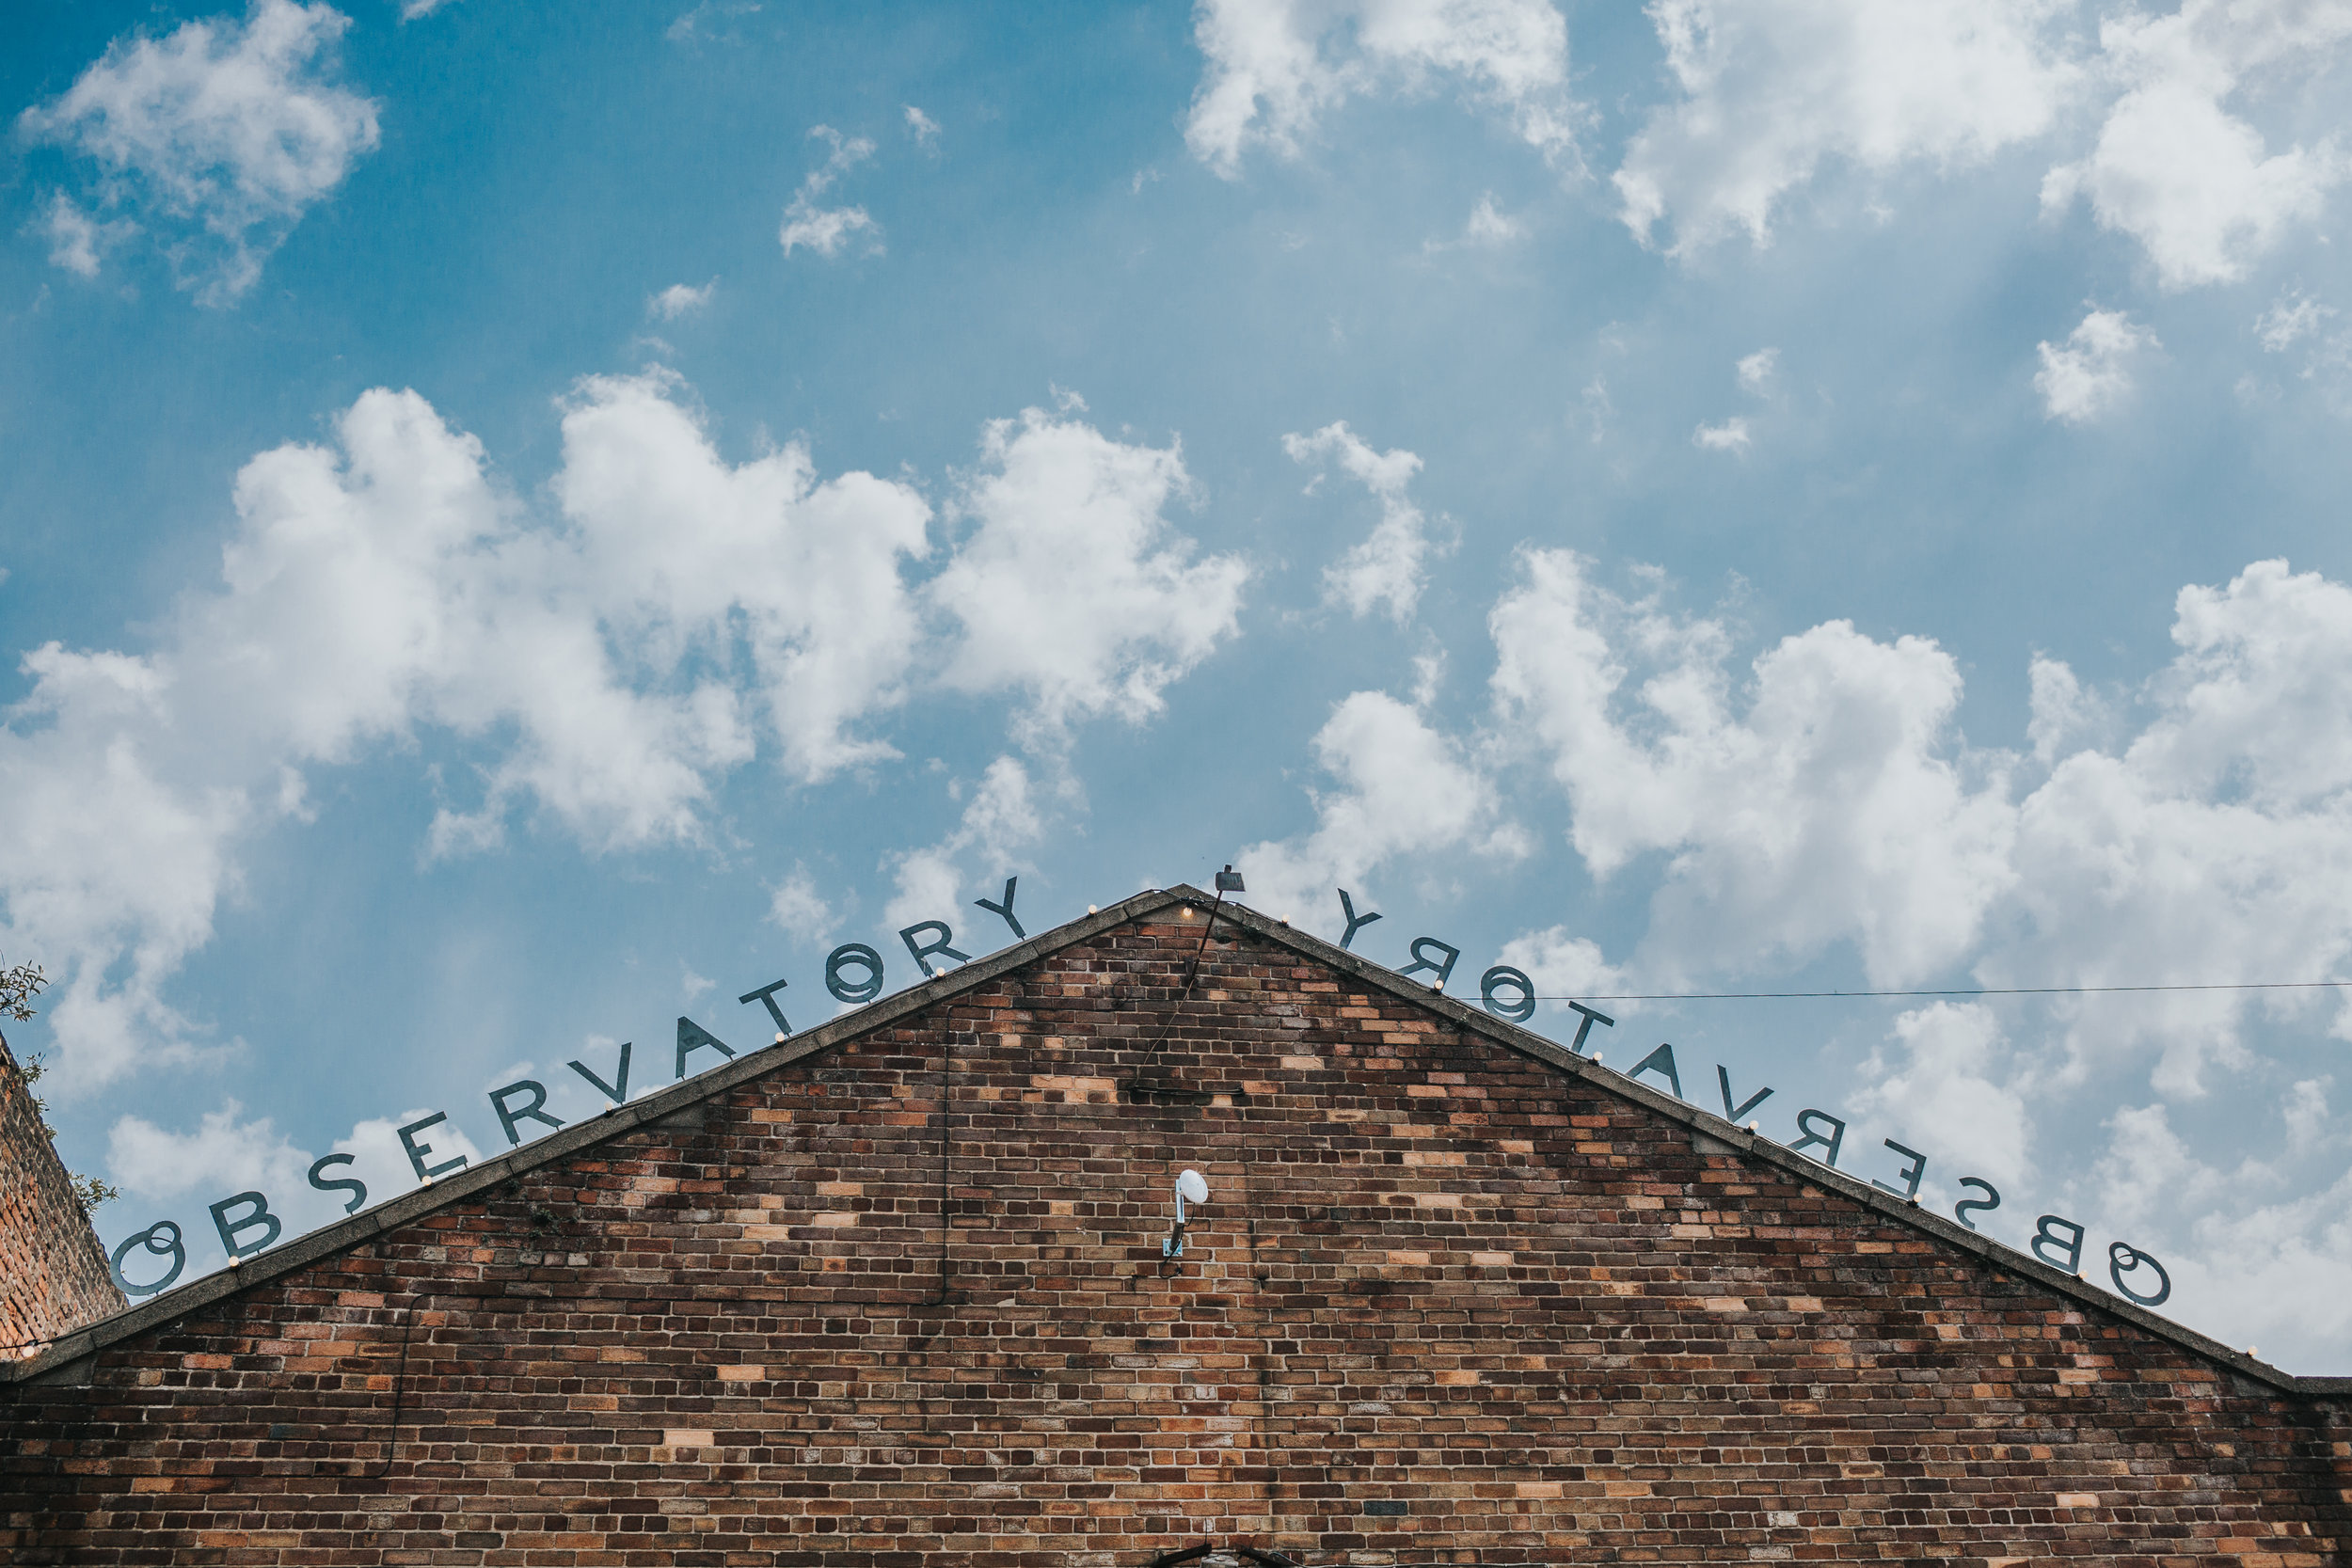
522, 522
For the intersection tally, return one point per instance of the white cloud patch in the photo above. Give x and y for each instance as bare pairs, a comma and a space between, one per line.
1404, 789
922, 127
2172, 167
679, 299
1388, 569
1276, 66
796, 906
384, 584
830, 230
411, 9
999, 822
1816, 809
1949, 1091
236, 128
78, 242
2092, 372
1771, 89
1072, 591
1757, 371
2290, 320
1732, 435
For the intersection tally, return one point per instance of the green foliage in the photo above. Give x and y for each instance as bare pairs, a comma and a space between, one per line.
18, 985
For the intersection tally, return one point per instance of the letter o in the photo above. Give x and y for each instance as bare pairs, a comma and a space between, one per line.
2121, 1257
863, 956
146, 1238
1500, 977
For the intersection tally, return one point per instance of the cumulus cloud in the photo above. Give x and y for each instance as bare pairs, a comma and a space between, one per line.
679, 299
2172, 167
830, 230
602, 669
1947, 1083
2091, 372
1072, 591
1756, 370
798, 909
1403, 789
1276, 69
999, 822
922, 127
236, 128
1391, 568
1813, 808
1771, 89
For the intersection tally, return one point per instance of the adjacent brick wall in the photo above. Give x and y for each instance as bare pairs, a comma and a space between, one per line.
53, 1273
1447, 1305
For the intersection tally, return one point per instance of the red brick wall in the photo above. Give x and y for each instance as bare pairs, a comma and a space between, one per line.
1447, 1305
52, 1274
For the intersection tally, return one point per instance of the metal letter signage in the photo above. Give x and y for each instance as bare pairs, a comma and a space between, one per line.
1004, 910
532, 1112
1585, 1028
2071, 1261
1733, 1113
1662, 1060
1911, 1173
693, 1037
1423, 960
1498, 977
256, 1217
925, 952
616, 1091
1813, 1138
1967, 1206
418, 1151
356, 1188
857, 993
768, 994
2121, 1257
1354, 922
169, 1247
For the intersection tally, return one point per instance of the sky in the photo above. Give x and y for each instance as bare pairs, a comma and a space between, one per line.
524, 522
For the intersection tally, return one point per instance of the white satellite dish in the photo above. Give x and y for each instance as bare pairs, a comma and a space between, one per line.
1193, 1188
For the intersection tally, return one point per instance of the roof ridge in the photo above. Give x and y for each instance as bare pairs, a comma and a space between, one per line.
663, 1103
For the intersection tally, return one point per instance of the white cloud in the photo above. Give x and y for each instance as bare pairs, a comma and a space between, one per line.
999, 822
922, 127
829, 231
78, 242
1951, 1093
1817, 810
1073, 590
2092, 372
237, 127
1756, 370
797, 907
1488, 227
1391, 568
384, 584
2175, 169
1731, 435
2288, 322
1276, 66
411, 9
1771, 89
679, 299
697, 23
1404, 790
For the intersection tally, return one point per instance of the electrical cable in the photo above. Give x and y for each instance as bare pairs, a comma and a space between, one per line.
1958, 990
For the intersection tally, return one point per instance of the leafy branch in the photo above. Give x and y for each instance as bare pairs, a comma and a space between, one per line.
18, 985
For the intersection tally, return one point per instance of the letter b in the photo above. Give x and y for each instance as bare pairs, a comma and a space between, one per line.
256, 1217
2069, 1255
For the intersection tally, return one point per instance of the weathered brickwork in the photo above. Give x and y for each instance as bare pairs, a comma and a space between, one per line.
52, 1274
1447, 1305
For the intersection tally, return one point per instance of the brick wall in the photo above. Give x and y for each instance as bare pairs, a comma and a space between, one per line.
53, 1273
1447, 1305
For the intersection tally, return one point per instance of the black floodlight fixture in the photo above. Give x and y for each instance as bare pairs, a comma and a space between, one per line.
1229, 881
1191, 1187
